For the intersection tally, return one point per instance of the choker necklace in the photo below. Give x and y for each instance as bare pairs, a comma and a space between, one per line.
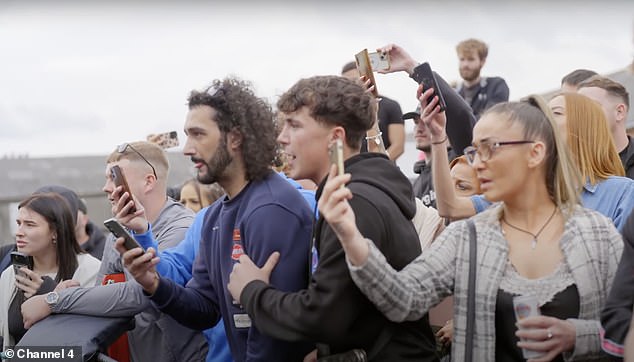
534, 241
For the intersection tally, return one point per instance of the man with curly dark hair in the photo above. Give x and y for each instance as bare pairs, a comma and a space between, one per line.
332, 311
231, 140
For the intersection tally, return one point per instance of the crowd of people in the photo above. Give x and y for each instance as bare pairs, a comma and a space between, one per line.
272, 254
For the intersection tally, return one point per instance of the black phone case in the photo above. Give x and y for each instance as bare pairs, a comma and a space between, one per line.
423, 74
19, 260
117, 230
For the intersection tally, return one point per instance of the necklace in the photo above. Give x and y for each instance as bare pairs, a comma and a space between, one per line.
534, 241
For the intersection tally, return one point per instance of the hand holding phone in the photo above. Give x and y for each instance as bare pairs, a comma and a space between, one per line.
120, 232
19, 260
119, 180
423, 74
365, 69
336, 156
380, 61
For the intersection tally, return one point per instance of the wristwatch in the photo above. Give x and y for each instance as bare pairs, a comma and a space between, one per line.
51, 299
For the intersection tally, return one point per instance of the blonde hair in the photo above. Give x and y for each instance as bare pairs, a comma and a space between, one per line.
563, 180
154, 154
590, 140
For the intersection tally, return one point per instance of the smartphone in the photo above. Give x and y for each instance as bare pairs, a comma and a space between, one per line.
365, 68
167, 139
120, 232
336, 155
19, 260
425, 75
379, 61
119, 180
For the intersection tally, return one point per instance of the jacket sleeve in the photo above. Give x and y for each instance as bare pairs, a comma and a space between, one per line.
325, 310
408, 294
460, 118
110, 261
195, 305
176, 263
617, 313
588, 343
114, 300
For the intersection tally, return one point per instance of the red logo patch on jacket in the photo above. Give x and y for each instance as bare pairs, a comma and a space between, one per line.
236, 251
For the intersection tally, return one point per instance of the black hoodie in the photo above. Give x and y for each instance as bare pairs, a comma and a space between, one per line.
332, 311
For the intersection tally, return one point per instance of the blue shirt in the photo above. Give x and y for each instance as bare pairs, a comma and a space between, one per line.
612, 197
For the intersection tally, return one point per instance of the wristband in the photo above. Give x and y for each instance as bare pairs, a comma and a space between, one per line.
376, 138
440, 142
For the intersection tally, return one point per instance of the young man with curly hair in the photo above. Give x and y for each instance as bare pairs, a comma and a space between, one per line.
332, 312
231, 140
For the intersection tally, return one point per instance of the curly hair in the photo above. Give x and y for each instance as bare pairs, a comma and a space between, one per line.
335, 101
237, 108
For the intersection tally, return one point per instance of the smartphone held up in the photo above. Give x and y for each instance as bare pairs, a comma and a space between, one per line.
336, 155
19, 260
116, 173
120, 232
425, 75
364, 66
379, 61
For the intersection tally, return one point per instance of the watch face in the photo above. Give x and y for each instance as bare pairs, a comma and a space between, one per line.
52, 297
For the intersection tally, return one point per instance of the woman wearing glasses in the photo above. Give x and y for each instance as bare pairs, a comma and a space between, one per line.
536, 240
582, 124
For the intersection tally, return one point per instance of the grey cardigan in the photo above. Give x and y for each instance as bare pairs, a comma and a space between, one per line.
591, 247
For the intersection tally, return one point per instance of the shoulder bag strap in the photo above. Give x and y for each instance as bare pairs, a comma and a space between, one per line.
473, 244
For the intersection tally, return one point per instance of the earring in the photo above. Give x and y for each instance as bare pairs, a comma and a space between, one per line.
54, 241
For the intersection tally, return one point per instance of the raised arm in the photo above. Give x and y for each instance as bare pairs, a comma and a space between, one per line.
400, 295
459, 114
449, 204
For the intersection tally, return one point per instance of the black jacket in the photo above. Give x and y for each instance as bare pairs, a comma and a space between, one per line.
96, 242
627, 158
333, 311
490, 91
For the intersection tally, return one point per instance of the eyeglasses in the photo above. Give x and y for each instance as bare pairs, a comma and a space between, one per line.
485, 150
124, 146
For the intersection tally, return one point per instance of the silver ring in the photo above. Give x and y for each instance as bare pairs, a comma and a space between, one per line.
550, 335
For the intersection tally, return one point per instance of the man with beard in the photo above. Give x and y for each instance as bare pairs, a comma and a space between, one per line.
479, 92
231, 139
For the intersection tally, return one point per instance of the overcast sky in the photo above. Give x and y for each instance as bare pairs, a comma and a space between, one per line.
80, 79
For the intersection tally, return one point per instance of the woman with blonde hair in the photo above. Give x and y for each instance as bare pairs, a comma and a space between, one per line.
583, 127
536, 240
592, 147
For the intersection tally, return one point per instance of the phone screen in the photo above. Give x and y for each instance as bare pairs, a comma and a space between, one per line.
365, 68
